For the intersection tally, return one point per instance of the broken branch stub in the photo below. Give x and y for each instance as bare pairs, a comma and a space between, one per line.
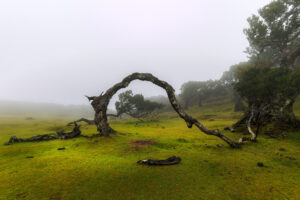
101, 102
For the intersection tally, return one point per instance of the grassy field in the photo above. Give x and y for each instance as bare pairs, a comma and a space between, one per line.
105, 168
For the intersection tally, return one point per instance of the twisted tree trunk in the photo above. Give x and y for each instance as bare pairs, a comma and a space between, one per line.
278, 113
101, 102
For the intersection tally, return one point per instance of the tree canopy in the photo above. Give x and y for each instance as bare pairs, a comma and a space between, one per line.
273, 34
270, 81
263, 85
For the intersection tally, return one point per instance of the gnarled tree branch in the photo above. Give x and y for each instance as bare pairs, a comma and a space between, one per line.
45, 137
88, 121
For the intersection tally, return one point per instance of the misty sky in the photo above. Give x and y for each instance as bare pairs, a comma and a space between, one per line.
60, 50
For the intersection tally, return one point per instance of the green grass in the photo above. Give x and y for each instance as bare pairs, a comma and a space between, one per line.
105, 168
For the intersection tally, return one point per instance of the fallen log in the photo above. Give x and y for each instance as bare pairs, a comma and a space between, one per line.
169, 161
46, 137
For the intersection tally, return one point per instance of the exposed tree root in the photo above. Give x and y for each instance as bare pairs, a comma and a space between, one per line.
247, 119
253, 135
46, 137
279, 115
101, 102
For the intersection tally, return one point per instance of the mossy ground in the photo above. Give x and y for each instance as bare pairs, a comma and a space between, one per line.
105, 168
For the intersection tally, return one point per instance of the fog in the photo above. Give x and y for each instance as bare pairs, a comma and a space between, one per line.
58, 51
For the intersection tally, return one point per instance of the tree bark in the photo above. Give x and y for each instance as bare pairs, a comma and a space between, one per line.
100, 103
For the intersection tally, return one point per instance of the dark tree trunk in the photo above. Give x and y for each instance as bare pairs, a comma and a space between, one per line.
238, 102
282, 114
101, 102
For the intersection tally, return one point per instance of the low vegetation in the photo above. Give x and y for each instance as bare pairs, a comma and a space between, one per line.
106, 167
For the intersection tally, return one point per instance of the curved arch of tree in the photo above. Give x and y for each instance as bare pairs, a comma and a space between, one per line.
100, 103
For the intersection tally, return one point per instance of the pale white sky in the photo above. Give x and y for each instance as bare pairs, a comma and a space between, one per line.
59, 50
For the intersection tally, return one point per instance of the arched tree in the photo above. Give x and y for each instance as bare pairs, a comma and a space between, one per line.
101, 102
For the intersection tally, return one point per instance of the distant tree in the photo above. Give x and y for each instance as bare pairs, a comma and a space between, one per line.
161, 99
228, 79
124, 105
190, 95
273, 34
195, 92
135, 105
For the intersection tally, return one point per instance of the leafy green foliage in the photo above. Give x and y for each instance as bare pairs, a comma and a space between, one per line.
274, 32
195, 92
231, 76
135, 105
265, 84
